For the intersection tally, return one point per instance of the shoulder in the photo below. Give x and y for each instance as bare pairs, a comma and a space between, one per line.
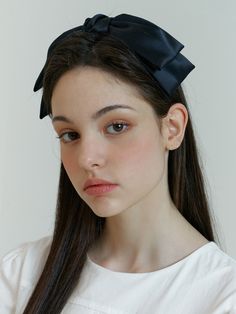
27, 249
28, 246
26, 256
21, 267
221, 259
215, 261
215, 276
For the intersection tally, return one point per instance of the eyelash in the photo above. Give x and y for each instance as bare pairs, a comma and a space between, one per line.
60, 137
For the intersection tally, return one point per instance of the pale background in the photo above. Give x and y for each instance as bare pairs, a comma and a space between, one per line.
29, 156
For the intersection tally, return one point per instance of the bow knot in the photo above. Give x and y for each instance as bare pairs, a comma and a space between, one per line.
98, 23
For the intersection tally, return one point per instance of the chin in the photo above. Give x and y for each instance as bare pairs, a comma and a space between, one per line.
105, 213
106, 209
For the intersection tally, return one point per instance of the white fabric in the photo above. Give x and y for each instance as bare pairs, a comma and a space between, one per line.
204, 282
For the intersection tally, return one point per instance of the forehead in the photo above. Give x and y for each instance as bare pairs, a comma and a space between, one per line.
88, 78
88, 89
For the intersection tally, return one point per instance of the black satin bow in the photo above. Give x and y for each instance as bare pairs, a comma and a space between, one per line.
157, 49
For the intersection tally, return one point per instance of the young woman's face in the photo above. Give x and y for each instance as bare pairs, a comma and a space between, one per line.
123, 146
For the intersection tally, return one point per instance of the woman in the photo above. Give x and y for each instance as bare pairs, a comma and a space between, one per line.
133, 230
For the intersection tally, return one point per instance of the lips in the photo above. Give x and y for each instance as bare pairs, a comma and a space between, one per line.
100, 190
96, 182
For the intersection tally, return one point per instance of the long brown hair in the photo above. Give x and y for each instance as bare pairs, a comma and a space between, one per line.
76, 226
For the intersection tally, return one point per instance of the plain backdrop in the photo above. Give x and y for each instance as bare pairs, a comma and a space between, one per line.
29, 156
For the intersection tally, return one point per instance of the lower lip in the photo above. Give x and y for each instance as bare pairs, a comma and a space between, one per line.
100, 189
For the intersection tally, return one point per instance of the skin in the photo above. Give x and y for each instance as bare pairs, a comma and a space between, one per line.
144, 230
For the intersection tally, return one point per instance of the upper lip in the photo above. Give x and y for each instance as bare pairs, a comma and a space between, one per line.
96, 181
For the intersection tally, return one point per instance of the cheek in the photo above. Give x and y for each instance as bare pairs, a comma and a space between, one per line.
69, 163
142, 155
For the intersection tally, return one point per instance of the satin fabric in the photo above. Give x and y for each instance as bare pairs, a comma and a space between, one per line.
158, 51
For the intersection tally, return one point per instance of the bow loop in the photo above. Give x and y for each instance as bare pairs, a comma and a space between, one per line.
146, 39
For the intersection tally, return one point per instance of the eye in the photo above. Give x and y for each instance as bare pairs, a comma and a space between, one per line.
67, 137
118, 126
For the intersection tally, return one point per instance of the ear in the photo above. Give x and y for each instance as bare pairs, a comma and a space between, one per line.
173, 126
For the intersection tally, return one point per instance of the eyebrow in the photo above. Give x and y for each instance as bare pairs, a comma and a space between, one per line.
97, 114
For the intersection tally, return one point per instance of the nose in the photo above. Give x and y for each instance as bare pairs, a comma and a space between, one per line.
91, 153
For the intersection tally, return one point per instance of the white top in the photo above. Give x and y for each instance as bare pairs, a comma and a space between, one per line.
204, 282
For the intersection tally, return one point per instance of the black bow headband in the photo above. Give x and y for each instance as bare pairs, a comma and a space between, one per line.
158, 50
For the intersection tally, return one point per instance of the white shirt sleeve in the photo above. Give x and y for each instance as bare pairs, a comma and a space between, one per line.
19, 272
10, 270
